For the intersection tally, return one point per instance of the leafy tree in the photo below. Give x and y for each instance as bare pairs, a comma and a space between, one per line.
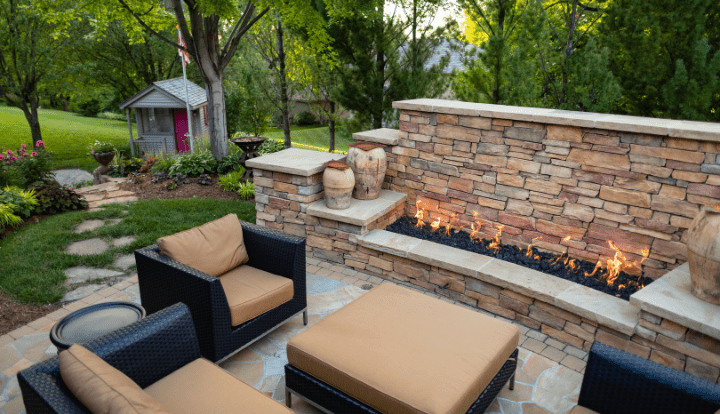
30, 45
668, 56
321, 81
247, 106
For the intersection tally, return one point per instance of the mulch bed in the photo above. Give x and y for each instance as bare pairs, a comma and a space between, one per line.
147, 189
16, 314
547, 262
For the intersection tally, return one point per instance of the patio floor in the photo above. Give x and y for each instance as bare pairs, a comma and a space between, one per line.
548, 378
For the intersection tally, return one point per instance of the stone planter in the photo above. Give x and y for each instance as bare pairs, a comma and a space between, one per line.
704, 255
338, 181
104, 158
368, 162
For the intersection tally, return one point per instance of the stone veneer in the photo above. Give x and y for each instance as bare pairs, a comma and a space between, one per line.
548, 174
536, 172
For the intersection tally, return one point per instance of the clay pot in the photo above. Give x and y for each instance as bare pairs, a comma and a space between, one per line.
339, 181
704, 255
104, 158
368, 162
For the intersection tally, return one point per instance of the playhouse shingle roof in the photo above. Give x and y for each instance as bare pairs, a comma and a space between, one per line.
168, 92
176, 87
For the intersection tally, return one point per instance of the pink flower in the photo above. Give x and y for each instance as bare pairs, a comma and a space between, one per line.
9, 153
2, 157
40, 144
23, 146
34, 153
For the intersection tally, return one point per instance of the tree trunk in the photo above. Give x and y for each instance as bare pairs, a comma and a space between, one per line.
31, 115
216, 115
331, 127
285, 109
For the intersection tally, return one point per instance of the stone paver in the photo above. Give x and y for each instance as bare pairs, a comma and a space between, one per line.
87, 247
79, 274
125, 262
89, 225
81, 292
542, 384
71, 177
123, 241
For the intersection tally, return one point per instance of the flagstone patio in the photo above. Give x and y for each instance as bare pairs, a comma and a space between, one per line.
548, 378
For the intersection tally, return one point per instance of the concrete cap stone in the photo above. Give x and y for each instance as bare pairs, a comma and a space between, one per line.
702, 131
670, 297
294, 161
361, 212
599, 307
384, 136
388, 242
456, 260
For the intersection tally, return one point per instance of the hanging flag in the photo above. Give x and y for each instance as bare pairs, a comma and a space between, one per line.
185, 55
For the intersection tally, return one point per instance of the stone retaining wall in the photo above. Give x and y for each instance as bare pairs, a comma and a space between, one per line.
592, 177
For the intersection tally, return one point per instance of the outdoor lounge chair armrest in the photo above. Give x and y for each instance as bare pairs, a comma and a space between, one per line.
145, 351
621, 383
273, 251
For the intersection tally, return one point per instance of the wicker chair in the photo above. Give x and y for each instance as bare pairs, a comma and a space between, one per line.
145, 351
616, 382
164, 282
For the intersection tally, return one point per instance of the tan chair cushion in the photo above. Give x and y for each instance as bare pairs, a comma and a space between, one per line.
213, 248
400, 351
203, 387
582, 410
102, 388
251, 292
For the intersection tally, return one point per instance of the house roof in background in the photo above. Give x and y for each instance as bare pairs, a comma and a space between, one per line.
173, 89
457, 51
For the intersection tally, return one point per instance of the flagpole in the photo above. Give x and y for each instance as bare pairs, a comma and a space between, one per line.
187, 99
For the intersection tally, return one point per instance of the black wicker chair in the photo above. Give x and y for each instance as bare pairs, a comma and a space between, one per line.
616, 382
164, 282
145, 351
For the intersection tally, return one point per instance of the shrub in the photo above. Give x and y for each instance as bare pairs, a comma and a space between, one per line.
122, 167
304, 118
270, 146
200, 162
246, 190
54, 198
230, 163
100, 147
111, 115
163, 164
231, 181
24, 169
21, 202
149, 162
7, 218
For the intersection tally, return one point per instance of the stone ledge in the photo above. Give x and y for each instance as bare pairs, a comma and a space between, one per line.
702, 131
294, 161
384, 136
361, 212
669, 297
596, 306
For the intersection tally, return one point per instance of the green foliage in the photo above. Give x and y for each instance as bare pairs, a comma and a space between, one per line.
248, 109
7, 218
270, 146
230, 181
124, 166
111, 115
43, 281
92, 103
100, 147
54, 198
246, 190
23, 168
230, 163
192, 165
21, 202
304, 118
163, 164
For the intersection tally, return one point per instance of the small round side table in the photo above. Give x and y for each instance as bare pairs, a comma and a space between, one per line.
91, 322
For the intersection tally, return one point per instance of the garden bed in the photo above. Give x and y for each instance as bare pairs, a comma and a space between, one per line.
149, 190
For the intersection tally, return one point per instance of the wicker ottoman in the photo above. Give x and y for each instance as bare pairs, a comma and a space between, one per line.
397, 351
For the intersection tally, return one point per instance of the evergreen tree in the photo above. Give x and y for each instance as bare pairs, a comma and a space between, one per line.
667, 54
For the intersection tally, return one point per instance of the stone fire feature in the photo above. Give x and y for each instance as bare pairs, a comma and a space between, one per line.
539, 173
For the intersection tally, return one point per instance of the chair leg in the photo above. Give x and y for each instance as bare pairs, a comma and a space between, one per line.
512, 382
305, 317
288, 398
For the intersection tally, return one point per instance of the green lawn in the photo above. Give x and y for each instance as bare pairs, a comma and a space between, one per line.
65, 133
310, 137
33, 259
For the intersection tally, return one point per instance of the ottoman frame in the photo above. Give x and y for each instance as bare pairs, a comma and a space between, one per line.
331, 400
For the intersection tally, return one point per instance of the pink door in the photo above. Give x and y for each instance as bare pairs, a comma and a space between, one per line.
181, 128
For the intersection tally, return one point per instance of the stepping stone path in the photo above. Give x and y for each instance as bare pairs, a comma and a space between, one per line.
107, 193
123, 241
82, 292
87, 247
79, 274
125, 262
89, 225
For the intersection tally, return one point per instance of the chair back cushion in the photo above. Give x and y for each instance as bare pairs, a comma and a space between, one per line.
102, 388
213, 248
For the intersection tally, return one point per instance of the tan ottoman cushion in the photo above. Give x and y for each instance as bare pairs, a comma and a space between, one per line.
250, 292
400, 351
203, 387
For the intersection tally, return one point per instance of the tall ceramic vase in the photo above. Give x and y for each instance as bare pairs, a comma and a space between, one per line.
338, 181
368, 162
704, 255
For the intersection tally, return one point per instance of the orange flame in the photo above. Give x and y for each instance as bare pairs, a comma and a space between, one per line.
598, 265
495, 243
717, 207
419, 215
566, 238
530, 246
449, 225
435, 224
473, 235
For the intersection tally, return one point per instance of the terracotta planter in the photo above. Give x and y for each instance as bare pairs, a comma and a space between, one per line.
369, 164
338, 181
104, 158
704, 255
